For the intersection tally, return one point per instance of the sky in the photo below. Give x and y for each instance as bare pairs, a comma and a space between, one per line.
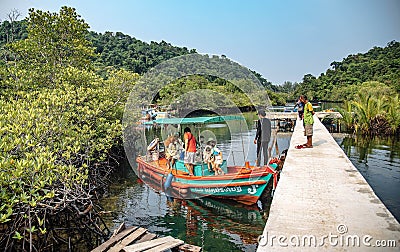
281, 39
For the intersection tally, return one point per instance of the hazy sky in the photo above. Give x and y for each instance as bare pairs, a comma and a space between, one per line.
282, 39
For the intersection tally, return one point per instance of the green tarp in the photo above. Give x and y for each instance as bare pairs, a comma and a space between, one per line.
195, 120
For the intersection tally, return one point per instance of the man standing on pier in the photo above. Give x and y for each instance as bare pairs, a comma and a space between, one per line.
263, 135
308, 121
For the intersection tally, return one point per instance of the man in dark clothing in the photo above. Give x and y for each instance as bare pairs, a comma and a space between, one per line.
263, 135
300, 109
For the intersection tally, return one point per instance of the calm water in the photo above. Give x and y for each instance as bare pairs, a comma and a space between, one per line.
211, 224
228, 226
378, 160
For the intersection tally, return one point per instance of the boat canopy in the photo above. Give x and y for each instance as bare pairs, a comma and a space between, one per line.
195, 120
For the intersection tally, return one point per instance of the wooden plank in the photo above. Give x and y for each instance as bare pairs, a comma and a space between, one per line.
117, 248
119, 229
128, 240
165, 246
147, 237
109, 243
189, 248
134, 236
147, 244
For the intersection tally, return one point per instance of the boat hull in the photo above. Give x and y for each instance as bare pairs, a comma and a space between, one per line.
239, 183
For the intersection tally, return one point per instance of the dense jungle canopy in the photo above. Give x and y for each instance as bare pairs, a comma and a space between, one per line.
122, 51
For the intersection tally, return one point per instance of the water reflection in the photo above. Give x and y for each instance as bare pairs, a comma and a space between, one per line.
227, 226
212, 224
378, 160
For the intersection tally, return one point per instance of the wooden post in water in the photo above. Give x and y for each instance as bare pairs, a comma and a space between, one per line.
274, 143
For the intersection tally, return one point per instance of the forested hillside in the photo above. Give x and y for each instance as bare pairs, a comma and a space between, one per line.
123, 51
118, 50
379, 65
113, 48
368, 84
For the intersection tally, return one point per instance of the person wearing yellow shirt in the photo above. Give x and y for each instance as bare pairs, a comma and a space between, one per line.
308, 121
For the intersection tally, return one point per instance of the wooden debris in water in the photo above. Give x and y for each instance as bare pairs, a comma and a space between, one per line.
131, 239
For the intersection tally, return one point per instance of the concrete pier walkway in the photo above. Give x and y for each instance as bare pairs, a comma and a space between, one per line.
322, 202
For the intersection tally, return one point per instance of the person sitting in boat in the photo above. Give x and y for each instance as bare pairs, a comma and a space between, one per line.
216, 158
153, 115
153, 149
147, 116
217, 161
171, 151
201, 143
179, 146
208, 157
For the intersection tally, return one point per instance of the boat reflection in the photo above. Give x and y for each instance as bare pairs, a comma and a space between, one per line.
241, 223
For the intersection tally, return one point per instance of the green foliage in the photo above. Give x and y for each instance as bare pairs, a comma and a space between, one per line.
58, 122
54, 42
288, 88
393, 112
369, 86
365, 110
278, 99
371, 114
373, 88
308, 87
122, 51
265, 83
12, 30
112, 49
207, 93
343, 80
347, 115
117, 87
189, 84
52, 136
